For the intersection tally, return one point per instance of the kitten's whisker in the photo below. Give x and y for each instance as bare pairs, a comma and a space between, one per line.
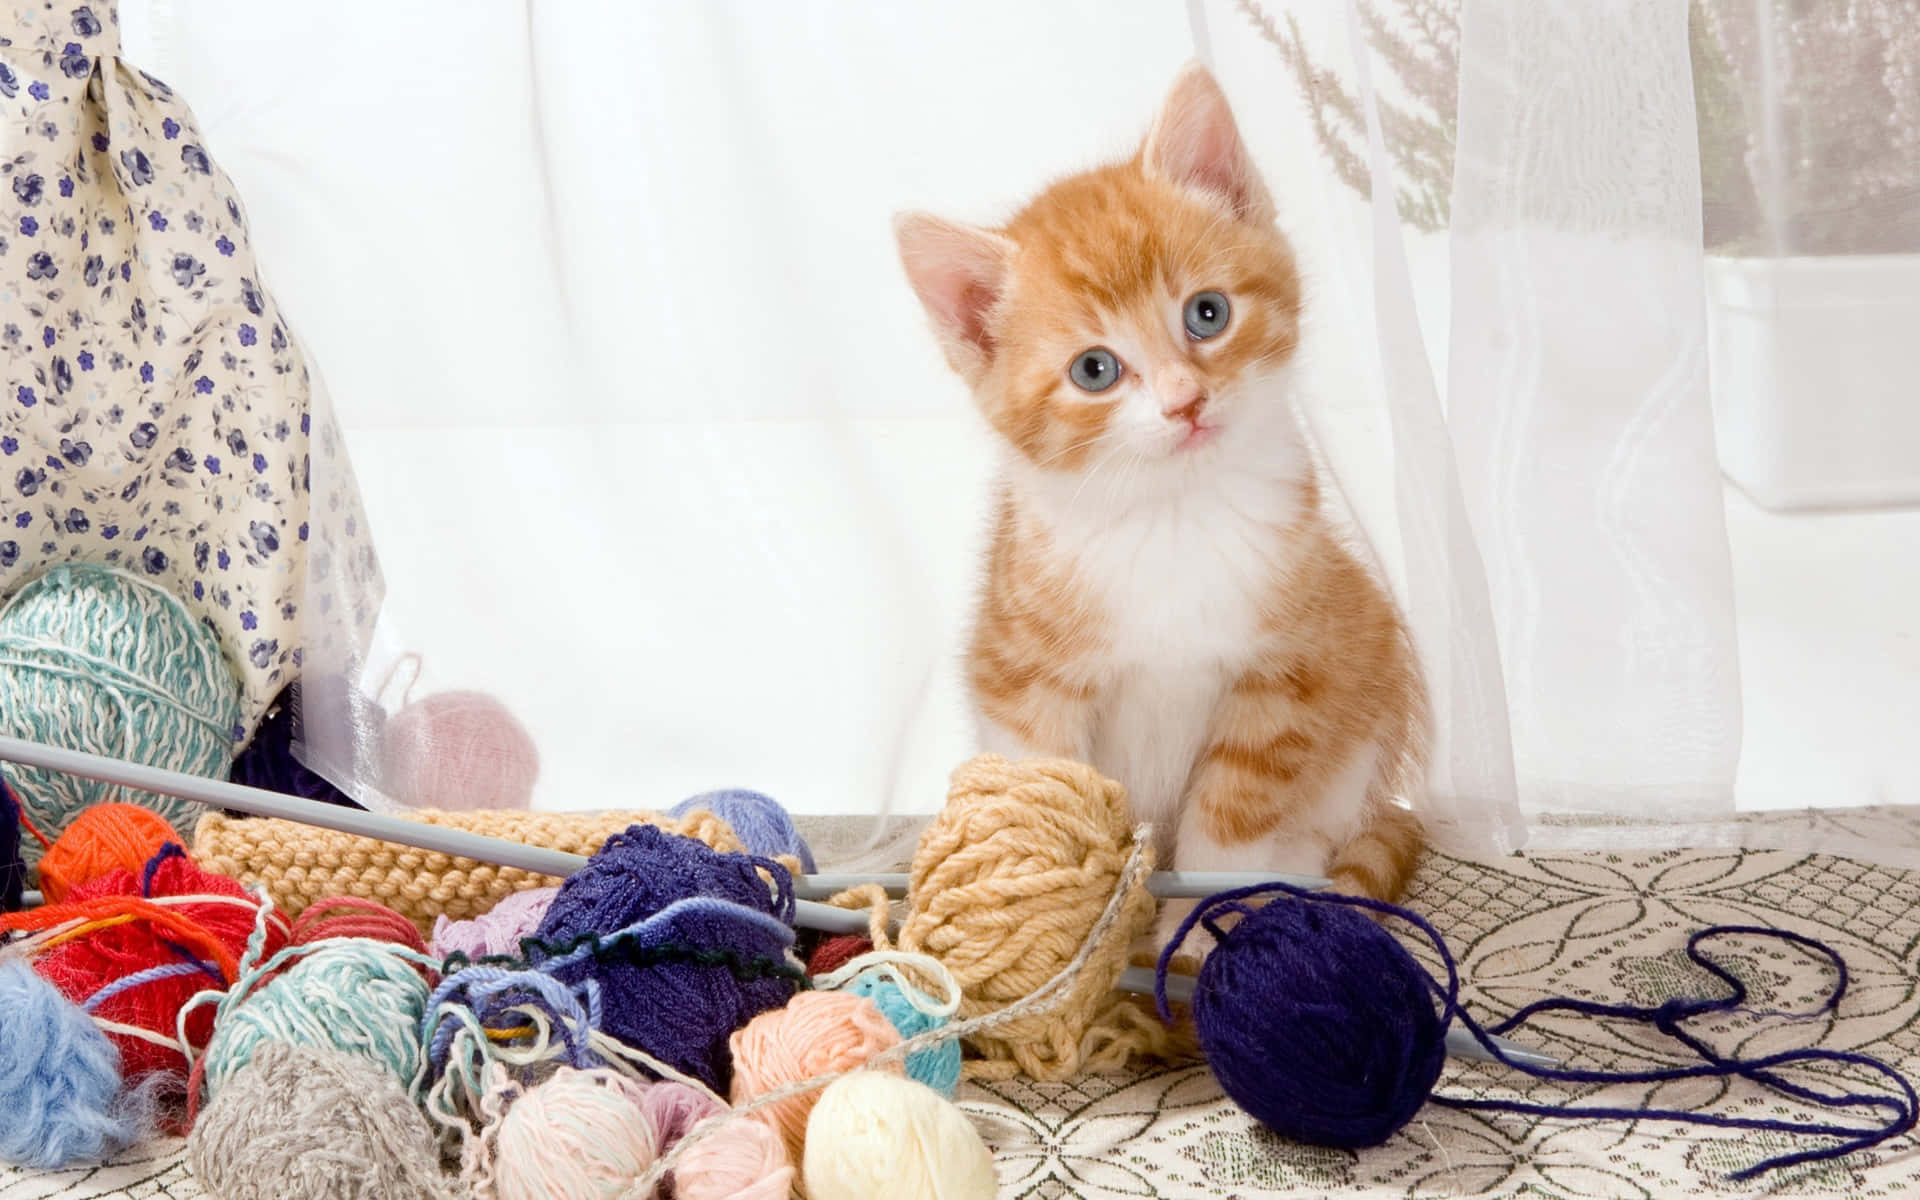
1095, 440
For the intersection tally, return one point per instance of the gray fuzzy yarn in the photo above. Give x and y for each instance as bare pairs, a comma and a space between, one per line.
304, 1124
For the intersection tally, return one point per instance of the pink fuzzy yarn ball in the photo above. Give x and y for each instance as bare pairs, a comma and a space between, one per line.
458, 750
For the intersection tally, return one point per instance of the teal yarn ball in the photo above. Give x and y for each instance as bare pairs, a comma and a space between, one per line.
354, 995
94, 659
936, 1066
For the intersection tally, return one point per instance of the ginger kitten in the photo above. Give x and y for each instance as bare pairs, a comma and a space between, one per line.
1163, 598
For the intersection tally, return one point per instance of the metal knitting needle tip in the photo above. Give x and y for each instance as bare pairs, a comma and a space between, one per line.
1460, 1042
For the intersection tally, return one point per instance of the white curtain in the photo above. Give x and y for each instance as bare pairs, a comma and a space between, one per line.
1518, 375
657, 449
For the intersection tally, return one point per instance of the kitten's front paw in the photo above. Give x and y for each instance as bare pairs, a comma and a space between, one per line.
1173, 914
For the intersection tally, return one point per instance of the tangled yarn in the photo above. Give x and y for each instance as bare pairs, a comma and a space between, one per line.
307, 1123
875, 1136
496, 931
763, 826
59, 1078
678, 1009
458, 751
139, 974
96, 659
1005, 884
101, 839
299, 864
912, 1014
578, 1134
352, 995
13, 869
815, 1034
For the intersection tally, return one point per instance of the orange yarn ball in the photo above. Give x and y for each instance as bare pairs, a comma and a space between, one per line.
104, 838
816, 1033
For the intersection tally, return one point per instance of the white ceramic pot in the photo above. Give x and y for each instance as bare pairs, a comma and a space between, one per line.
1816, 378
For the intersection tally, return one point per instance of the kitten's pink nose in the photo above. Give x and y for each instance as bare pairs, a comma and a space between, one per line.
1185, 404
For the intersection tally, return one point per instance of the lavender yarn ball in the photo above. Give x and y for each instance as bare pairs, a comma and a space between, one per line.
763, 826
13, 872
1318, 1022
679, 1010
496, 931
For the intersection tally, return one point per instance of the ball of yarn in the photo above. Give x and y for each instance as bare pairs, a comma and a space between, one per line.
268, 761
681, 1012
359, 997
875, 1136
578, 1134
104, 838
817, 1033
98, 660
740, 1160
936, 1066
1006, 884
836, 952
136, 974
764, 827
496, 931
1316, 1021
301, 1123
13, 869
671, 1108
458, 750
59, 1078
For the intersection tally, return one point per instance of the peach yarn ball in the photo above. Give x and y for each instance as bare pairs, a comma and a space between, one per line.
817, 1033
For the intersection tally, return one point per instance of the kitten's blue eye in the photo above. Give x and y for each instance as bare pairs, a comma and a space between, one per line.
1207, 314
1096, 370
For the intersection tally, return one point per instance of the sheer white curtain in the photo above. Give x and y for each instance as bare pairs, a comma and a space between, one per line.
1502, 203
658, 451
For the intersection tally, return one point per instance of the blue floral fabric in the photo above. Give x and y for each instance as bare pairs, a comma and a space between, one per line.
156, 409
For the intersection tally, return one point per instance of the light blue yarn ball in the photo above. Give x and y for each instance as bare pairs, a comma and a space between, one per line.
60, 1087
764, 827
936, 1066
94, 659
354, 995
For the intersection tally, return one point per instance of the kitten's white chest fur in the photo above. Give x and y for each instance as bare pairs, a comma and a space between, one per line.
1180, 574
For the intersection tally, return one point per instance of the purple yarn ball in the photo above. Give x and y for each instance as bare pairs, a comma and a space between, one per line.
1317, 1021
13, 872
681, 1012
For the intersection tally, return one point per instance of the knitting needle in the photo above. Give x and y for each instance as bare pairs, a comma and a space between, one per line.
1164, 884
1460, 1043
218, 793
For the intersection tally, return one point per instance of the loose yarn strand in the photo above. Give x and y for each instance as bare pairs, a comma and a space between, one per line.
1132, 875
1667, 1018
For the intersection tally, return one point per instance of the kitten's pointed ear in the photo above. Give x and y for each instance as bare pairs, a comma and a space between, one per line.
959, 273
1195, 143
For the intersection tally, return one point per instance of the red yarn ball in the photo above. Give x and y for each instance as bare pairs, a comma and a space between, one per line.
836, 952
103, 838
95, 960
458, 750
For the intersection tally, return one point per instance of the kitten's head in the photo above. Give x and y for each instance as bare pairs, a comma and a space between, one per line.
1139, 310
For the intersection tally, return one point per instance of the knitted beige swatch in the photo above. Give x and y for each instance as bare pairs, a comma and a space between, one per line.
300, 864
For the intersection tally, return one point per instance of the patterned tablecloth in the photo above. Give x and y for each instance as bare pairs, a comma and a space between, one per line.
1605, 925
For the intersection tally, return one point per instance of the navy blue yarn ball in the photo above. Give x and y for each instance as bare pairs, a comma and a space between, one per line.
1316, 1021
762, 825
681, 1012
13, 872
268, 760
